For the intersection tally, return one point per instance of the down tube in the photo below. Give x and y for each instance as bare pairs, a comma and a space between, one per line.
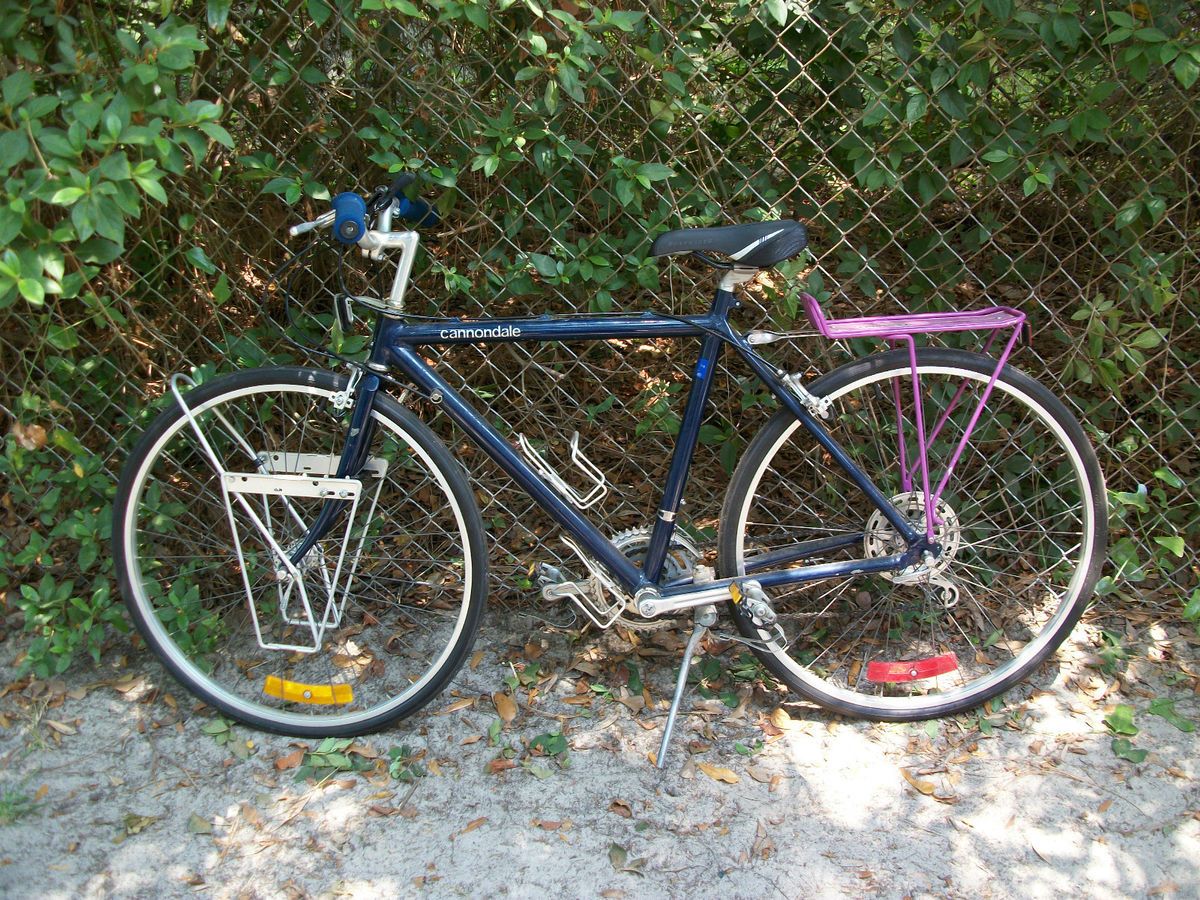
507, 458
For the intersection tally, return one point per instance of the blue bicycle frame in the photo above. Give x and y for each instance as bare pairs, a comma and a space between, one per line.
393, 348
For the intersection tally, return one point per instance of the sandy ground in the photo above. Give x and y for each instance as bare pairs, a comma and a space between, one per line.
130, 796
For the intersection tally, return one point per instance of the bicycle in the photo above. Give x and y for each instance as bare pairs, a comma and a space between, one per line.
305, 555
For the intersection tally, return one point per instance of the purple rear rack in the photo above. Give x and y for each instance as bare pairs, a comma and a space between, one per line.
994, 319
900, 329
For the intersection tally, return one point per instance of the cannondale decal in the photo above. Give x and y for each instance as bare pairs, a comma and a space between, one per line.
473, 334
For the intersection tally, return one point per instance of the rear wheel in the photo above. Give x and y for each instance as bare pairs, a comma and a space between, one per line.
1021, 524
209, 593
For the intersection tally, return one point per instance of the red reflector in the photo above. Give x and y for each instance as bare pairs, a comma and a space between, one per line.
912, 670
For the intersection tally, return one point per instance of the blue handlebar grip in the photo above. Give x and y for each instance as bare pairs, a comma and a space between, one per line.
417, 211
349, 217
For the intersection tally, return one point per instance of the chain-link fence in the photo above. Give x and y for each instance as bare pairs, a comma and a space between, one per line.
1036, 154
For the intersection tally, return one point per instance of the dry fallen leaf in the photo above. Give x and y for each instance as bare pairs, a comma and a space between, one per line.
42, 792
533, 650
61, 727
499, 765
135, 823
621, 808
578, 700
925, 787
472, 825
719, 773
30, 437
473, 739
198, 825
456, 706
549, 824
506, 707
780, 719
759, 774
290, 761
476, 659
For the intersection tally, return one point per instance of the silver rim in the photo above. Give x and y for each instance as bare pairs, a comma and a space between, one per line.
1047, 631
448, 639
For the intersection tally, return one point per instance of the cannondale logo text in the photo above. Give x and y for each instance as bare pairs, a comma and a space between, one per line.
480, 334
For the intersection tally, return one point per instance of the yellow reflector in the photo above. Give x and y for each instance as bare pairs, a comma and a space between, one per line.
326, 694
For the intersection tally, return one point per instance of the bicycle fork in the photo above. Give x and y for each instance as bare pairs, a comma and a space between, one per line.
360, 391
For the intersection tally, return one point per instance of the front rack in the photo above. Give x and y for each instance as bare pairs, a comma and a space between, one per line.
264, 485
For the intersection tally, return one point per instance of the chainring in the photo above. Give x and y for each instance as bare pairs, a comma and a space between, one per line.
682, 556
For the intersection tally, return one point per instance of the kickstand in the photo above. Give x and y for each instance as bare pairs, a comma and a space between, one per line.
706, 617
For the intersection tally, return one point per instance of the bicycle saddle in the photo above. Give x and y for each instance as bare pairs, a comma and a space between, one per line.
757, 245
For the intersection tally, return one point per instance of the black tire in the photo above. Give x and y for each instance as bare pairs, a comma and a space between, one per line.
1028, 485
411, 608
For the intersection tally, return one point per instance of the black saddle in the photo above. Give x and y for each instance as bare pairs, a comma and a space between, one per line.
758, 245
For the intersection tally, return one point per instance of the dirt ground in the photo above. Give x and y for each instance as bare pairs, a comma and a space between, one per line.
116, 784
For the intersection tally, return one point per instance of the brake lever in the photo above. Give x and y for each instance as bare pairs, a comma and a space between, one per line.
322, 221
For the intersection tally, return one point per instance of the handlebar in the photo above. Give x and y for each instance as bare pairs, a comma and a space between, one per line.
350, 213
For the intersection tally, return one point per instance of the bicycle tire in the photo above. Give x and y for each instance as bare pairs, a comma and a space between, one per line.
1027, 474
411, 609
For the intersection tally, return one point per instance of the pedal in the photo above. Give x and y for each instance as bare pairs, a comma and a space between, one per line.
753, 600
590, 596
548, 575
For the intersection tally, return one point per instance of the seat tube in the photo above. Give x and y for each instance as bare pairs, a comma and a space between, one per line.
685, 445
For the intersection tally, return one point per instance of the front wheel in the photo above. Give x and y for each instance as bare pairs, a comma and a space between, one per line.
373, 621
1021, 523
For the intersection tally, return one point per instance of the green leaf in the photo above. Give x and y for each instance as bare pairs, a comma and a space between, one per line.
547, 266
1186, 69
1165, 709
217, 133
1147, 339
914, 110
32, 290
278, 185
655, 171
953, 102
320, 11
1191, 611
66, 196
1174, 544
1123, 748
115, 167
1120, 720
777, 9
62, 337
1002, 10
626, 20
902, 41
16, 87
550, 744
198, 258
218, 13
1169, 477
1129, 213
